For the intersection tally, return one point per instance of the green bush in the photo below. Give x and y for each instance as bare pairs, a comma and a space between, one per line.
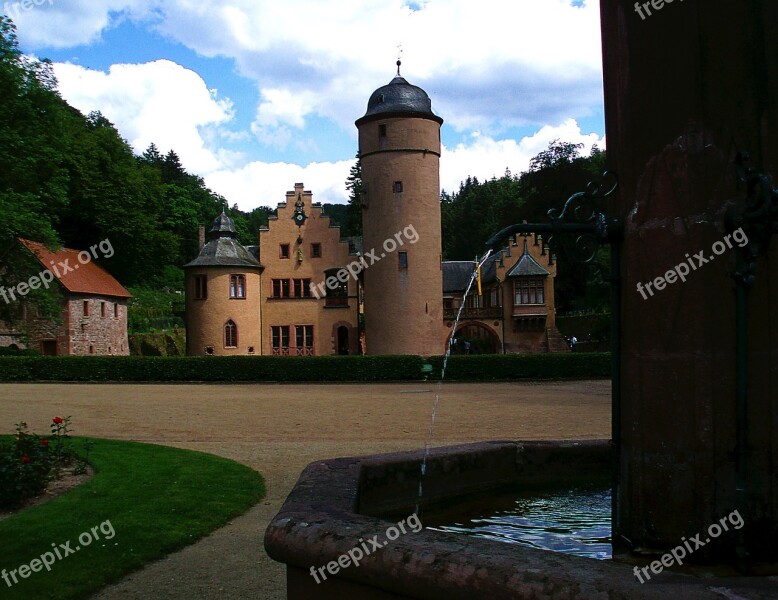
301, 369
494, 367
9, 351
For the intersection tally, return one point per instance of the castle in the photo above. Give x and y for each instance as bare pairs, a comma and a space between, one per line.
305, 291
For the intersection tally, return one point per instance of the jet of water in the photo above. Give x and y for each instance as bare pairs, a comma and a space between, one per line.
442, 377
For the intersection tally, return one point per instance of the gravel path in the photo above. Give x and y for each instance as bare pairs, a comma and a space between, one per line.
278, 430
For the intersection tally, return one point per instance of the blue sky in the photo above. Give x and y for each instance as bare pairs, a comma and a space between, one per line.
255, 95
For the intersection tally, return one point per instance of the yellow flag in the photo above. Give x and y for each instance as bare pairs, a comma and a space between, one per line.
477, 266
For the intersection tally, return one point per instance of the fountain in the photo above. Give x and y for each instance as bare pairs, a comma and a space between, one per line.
694, 436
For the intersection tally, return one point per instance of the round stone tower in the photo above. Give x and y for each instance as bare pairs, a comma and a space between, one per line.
222, 296
399, 146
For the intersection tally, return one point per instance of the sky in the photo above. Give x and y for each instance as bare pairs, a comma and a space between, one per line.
257, 95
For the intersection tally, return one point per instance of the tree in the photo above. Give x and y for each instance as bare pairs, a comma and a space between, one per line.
352, 225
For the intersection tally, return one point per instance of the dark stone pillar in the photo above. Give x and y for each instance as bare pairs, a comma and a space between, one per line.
686, 88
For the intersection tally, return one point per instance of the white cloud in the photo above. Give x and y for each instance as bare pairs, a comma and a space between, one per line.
265, 184
68, 23
489, 66
484, 157
159, 102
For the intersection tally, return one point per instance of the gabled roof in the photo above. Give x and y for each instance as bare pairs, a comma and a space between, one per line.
527, 265
89, 278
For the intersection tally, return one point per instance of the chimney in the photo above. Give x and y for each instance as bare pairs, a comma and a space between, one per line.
201, 236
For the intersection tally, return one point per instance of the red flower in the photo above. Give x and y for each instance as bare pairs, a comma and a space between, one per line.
25, 459
45, 442
58, 420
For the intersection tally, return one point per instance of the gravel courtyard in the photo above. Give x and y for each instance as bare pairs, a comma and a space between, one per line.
278, 430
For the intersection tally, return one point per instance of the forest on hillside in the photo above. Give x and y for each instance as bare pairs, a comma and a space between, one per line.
70, 179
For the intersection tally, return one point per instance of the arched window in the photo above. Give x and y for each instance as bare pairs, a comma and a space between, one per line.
230, 335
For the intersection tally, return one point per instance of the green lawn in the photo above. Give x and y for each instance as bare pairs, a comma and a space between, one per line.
156, 499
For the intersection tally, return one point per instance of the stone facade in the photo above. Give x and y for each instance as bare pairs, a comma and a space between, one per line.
223, 296
399, 146
93, 320
208, 319
301, 315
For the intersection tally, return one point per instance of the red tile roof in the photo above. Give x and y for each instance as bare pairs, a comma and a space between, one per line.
88, 278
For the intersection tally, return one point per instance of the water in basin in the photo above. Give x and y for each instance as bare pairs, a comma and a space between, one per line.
574, 521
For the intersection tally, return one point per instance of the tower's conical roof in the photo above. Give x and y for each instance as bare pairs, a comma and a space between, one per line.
223, 226
399, 99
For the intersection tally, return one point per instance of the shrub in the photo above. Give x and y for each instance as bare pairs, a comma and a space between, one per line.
301, 369
30, 462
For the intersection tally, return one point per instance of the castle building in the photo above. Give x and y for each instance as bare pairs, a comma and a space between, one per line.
223, 296
312, 290
93, 317
399, 146
309, 301
515, 313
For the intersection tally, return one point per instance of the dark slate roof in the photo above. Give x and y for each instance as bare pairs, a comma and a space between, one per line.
399, 98
526, 265
223, 250
457, 274
222, 225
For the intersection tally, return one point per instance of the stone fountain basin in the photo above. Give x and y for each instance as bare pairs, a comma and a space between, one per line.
336, 502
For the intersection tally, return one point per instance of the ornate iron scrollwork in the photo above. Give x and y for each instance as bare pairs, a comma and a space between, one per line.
758, 219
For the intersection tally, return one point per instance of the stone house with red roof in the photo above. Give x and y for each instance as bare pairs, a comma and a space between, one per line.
93, 320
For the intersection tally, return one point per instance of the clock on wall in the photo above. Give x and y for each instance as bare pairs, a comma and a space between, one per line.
299, 211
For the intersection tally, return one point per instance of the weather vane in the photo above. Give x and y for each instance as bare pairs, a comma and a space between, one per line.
399, 57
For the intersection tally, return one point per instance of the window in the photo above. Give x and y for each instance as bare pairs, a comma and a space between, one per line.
280, 337
403, 259
494, 299
382, 136
397, 187
316, 250
283, 251
302, 288
86, 308
201, 287
280, 288
230, 334
337, 291
116, 311
103, 309
237, 286
529, 291
304, 339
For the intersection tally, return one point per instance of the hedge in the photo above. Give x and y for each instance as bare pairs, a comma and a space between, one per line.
301, 369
